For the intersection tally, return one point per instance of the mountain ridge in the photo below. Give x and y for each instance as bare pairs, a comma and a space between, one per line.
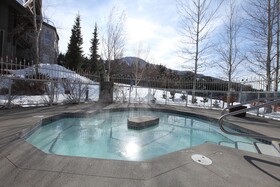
129, 60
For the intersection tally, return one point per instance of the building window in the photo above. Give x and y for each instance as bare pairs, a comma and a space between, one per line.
48, 38
46, 59
1, 42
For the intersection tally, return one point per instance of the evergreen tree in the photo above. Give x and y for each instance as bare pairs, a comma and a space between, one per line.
61, 59
86, 64
94, 51
74, 56
162, 69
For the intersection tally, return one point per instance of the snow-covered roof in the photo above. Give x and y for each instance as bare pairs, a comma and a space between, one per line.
20, 1
52, 71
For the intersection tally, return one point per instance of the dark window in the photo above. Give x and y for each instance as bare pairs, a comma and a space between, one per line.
1, 42
48, 38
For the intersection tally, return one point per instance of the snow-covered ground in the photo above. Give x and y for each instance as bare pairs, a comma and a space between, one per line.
148, 95
122, 93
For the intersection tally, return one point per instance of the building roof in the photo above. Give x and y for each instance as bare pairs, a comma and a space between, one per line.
52, 27
29, 4
24, 7
16, 5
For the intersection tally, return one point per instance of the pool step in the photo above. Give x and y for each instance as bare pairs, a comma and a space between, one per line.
247, 147
241, 146
267, 149
255, 147
227, 144
211, 142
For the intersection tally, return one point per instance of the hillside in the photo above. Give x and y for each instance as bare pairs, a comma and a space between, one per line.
159, 76
127, 67
130, 66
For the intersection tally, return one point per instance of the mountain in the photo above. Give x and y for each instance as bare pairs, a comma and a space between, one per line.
158, 74
131, 60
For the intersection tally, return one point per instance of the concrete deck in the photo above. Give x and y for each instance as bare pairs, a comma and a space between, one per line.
21, 164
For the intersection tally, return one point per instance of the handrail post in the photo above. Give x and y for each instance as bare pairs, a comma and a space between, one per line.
258, 110
211, 100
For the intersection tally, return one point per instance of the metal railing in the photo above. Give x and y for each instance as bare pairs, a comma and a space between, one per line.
222, 119
248, 102
16, 75
26, 84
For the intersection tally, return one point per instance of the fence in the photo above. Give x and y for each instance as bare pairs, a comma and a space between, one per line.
27, 84
176, 96
210, 92
202, 85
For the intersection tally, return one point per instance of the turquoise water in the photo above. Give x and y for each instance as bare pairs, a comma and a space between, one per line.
106, 136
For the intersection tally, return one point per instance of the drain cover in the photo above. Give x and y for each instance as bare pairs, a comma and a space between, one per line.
201, 159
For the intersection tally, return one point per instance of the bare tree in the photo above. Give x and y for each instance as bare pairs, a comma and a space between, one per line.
196, 17
229, 55
262, 19
138, 68
35, 6
114, 38
277, 66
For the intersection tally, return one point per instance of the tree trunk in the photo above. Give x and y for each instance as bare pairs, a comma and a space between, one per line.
37, 30
196, 53
277, 49
230, 59
269, 47
276, 81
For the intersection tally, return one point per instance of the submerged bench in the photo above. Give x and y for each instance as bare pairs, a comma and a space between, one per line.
142, 122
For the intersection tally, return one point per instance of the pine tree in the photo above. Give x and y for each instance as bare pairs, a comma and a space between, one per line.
94, 57
74, 56
61, 59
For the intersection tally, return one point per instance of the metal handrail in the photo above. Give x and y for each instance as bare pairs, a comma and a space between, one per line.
248, 102
221, 120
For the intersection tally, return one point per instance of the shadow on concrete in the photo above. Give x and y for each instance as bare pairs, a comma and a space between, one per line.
253, 160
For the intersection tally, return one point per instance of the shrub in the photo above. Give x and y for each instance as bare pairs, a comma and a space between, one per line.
204, 100
194, 101
172, 93
216, 104
231, 98
4, 91
20, 87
